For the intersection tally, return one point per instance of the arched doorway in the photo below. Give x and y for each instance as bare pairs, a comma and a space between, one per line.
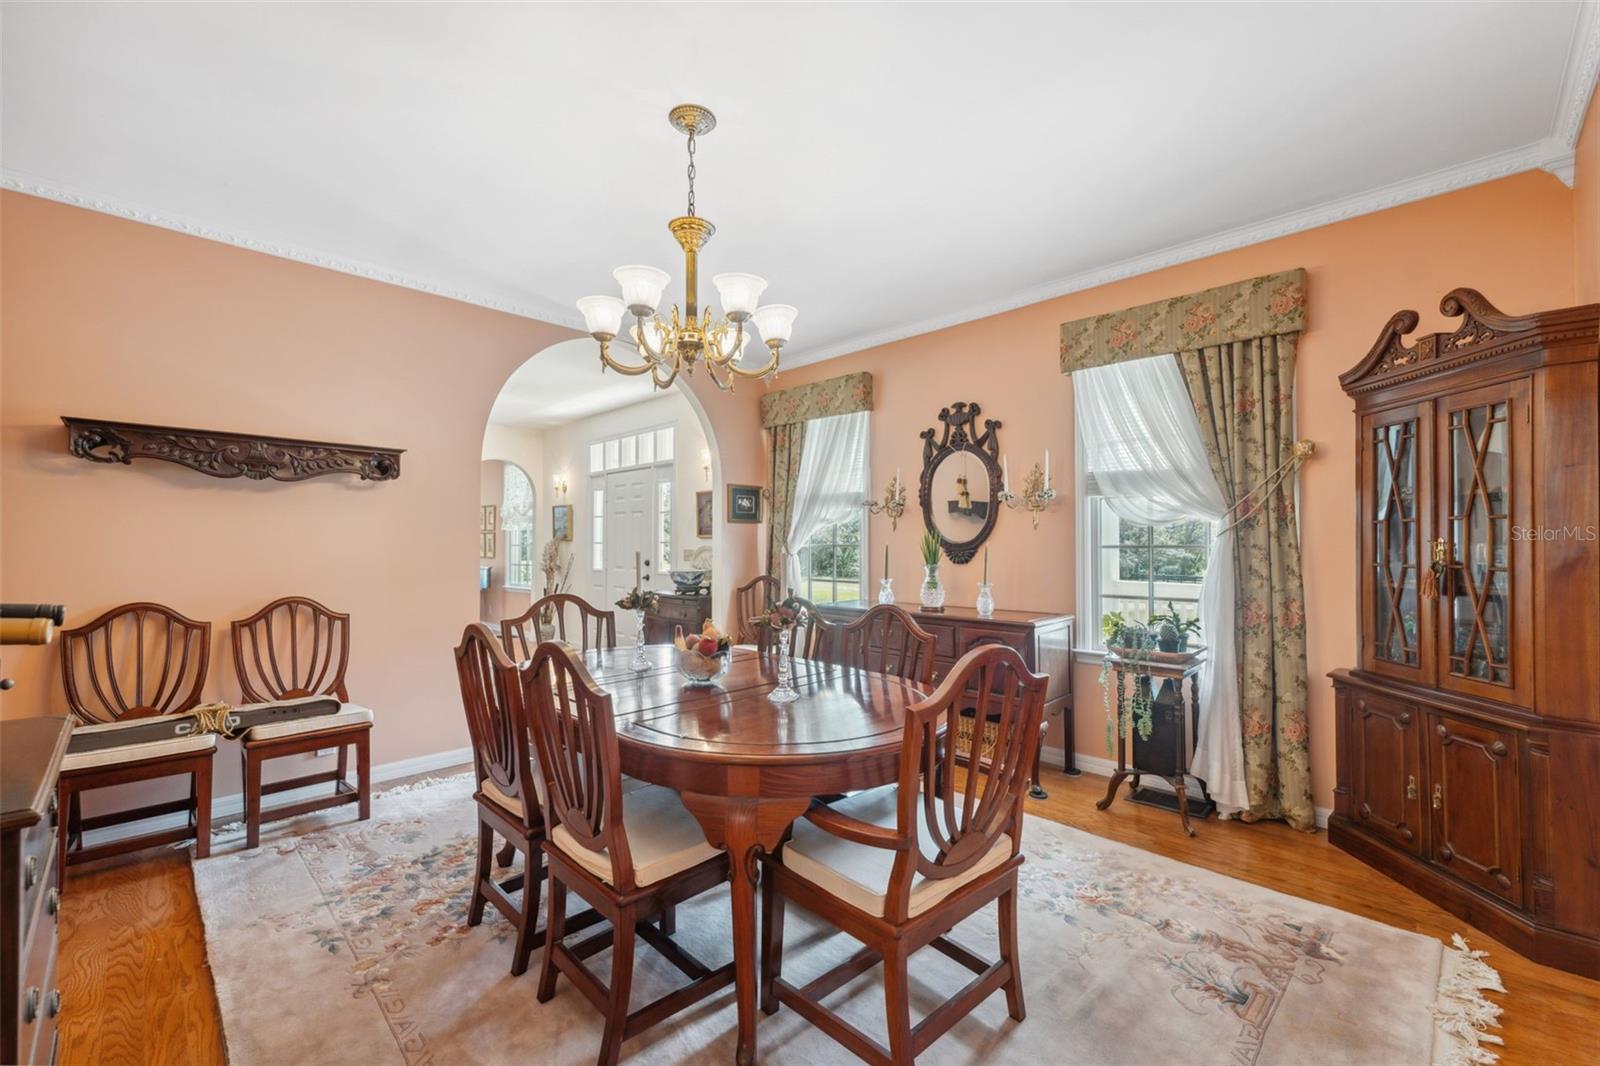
629, 477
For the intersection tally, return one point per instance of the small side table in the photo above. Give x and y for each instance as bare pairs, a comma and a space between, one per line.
1179, 679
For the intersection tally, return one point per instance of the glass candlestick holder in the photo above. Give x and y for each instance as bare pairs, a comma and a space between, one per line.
985, 600
886, 590
640, 660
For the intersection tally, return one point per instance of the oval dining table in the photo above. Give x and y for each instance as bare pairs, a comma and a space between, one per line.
747, 767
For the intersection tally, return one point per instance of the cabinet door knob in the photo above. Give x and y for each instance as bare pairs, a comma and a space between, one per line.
30, 873
53, 902
1438, 797
30, 1006
54, 1006
1411, 786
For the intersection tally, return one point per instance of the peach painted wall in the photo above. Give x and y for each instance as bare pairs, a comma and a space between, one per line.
1586, 209
110, 318
1512, 239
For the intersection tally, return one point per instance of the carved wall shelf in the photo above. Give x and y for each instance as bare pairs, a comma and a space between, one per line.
228, 455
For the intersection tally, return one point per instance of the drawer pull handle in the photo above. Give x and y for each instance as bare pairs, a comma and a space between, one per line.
1411, 786
53, 902
30, 1006
1438, 797
54, 1006
30, 873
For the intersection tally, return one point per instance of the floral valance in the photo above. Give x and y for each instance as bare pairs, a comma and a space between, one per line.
842, 395
1260, 307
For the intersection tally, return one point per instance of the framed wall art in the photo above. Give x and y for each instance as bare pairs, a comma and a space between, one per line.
744, 503
702, 515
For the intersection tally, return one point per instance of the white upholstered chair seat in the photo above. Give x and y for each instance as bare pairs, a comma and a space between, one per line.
130, 753
349, 714
663, 838
858, 874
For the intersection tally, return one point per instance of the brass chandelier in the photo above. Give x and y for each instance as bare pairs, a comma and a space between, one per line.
675, 344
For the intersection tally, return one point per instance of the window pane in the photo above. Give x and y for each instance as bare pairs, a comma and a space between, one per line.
664, 526
630, 454
1179, 564
1131, 532
597, 457
647, 447
598, 504
1196, 533
597, 527
850, 530
1133, 610
613, 454
664, 444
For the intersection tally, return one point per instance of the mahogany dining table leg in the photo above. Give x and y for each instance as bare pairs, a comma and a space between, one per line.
747, 827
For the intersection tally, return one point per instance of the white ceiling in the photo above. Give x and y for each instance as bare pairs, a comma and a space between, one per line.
889, 168
564, 383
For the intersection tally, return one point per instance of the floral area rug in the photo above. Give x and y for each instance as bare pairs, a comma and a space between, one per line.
342, 942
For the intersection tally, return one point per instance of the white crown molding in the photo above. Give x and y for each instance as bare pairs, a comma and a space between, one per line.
1579, 79
509, 302
1532, 156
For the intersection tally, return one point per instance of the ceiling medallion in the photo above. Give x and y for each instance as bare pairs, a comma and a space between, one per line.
675, 344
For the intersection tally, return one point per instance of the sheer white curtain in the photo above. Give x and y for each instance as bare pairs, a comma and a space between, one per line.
831, 483
1138, 438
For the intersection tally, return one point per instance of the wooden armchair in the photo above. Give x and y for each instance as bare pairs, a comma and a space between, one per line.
140, 660
296, 647
898, 867
887, 640
750, 599
593, 627
630, 856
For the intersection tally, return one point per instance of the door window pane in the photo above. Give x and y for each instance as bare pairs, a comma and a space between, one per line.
664, 443
613, 454
630, 454
597, 527
647, 448
597, 458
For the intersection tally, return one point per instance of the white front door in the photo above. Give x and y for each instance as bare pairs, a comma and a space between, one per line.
630, 522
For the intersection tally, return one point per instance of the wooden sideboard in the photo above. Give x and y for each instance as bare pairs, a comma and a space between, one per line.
29, 766
1043, 639
690, 612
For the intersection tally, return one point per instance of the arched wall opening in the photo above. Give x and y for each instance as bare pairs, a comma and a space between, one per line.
557, 404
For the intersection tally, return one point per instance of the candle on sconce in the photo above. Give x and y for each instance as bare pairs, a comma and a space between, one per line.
637, 572
1005, 474
897, 481
1047, 468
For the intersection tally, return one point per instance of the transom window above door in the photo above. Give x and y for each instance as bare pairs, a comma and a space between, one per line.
644, 448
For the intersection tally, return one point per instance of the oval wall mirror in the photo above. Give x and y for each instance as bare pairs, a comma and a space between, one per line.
960, 486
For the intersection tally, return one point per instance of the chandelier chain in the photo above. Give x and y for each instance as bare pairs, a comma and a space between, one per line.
691, 173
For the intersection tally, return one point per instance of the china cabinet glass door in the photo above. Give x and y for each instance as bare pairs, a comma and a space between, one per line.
1396, 526
1485, 572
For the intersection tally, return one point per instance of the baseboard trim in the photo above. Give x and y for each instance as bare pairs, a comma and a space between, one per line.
1091, 764
230, 808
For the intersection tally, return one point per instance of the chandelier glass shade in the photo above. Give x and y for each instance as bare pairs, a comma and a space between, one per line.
675, 343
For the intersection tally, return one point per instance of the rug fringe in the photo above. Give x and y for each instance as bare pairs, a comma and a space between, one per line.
1462, 1010
413, 786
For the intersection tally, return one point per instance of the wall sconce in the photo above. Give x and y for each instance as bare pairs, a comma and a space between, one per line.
1036, 491
561, 484
705, 463
894, 501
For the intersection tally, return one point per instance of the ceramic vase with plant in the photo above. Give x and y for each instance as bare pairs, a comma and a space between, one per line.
932, 591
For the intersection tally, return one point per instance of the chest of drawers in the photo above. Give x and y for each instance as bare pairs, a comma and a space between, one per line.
30, 1003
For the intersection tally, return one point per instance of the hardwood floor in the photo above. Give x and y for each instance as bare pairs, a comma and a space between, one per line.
137, 989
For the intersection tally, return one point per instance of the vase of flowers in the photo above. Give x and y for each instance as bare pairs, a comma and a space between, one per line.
702, 657
932, 591
782, 618
556, 579
640, 601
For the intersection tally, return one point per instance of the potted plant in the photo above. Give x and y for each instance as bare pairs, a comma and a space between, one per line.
1132, 645
1173, 630
932, 593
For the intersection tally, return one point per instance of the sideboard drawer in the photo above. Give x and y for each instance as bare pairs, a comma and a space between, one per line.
36, 869
976, 636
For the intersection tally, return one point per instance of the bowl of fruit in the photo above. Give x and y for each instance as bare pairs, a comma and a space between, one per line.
702, 657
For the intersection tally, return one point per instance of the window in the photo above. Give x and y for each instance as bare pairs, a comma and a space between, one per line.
516, 518
1138, 570
830, 563
597, 526
636, 449
663, 526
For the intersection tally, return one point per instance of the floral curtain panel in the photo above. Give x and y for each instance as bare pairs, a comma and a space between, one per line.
1268, 306
1243, 394
1236, 345
785, 413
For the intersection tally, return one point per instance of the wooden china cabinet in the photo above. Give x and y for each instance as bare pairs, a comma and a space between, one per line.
1469, 734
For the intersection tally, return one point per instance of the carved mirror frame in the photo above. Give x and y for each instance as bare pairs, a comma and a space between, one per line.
957, 434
